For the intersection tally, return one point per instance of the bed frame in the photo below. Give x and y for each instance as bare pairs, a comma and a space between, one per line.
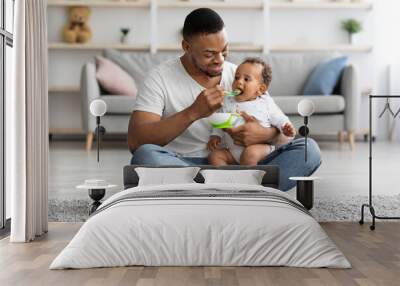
270, 179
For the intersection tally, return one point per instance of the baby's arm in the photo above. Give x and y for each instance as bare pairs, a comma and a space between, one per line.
213, 142
288, 129
279, 119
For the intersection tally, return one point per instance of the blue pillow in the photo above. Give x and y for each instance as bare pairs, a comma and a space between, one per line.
324, 77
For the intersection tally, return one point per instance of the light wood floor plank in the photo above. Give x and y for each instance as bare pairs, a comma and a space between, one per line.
375, 257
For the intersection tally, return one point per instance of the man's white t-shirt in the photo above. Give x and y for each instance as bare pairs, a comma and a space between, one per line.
169, 89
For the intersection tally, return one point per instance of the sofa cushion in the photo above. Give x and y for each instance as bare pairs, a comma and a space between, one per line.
324, 77
113, 78
119, 104
323, 104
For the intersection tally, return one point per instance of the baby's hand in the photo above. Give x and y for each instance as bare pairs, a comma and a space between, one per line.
288, 130
213, 142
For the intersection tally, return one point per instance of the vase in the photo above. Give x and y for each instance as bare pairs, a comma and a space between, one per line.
353, 38
124, 38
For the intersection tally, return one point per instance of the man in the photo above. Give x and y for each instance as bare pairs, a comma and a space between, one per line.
168, 125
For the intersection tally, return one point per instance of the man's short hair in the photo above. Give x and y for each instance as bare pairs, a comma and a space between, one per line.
202, 21
266, 73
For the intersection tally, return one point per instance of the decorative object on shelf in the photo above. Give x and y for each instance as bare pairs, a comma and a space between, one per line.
96, 187
369, 205
306, 109
305, 1
343, 1
180, 34
77, 29
124, 35
352, 27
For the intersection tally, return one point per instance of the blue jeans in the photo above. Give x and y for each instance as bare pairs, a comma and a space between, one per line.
289, 158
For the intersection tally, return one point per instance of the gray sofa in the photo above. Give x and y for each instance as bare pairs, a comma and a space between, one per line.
334, 114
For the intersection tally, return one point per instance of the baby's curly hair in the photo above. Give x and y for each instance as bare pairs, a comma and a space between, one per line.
266, 73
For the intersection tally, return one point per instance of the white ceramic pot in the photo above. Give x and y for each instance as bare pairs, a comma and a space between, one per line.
353, 39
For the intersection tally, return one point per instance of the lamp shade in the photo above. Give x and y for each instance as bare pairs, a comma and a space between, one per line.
98, 107
306, 107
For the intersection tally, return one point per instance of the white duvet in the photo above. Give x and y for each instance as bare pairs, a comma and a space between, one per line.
183, 231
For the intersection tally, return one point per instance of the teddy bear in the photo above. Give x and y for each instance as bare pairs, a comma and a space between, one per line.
77, 30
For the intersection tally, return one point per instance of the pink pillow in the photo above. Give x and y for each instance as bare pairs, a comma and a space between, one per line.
114, 79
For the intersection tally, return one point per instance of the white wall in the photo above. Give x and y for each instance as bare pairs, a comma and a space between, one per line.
287, 27
386, 52
322, 27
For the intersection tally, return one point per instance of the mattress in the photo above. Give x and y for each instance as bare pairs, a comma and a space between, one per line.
201, 225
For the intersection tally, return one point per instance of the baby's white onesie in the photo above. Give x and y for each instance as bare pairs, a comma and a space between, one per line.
263, 108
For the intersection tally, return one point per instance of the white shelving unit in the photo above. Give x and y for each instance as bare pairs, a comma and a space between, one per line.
98, 46
322, 5
212, 4
156, 5
232, 47
257, 4
154, 45
315, 48
101, 4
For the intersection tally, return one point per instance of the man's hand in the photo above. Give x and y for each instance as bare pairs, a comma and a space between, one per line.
213, 142
251, 132
207, 102
288, 130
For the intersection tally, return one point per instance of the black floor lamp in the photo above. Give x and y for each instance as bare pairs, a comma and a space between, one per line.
97, 187
305, 185
98, 108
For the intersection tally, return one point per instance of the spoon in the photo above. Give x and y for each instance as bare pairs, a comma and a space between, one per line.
233, 93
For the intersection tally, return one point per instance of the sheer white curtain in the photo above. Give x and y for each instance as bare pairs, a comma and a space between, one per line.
27, 123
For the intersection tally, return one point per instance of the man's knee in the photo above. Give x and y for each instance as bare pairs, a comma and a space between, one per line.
147, 148
313, 155
144, 153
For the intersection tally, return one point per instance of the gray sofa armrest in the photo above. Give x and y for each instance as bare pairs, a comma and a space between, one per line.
351, 92
90, 90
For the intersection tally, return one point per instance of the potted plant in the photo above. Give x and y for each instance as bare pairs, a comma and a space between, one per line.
352, 27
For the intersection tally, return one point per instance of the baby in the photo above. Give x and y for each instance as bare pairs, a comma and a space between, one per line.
252, 79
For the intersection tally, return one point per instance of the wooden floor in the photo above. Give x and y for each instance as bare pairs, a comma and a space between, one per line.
374, 255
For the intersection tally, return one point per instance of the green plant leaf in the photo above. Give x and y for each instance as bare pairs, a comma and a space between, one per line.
352, 26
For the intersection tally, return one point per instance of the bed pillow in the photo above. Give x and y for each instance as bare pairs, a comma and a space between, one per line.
324, 77
114, 79
247, 177
166, 176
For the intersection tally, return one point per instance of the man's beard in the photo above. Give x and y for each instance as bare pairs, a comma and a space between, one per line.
206, 72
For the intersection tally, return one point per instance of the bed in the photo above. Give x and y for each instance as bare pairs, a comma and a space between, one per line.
198, 224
